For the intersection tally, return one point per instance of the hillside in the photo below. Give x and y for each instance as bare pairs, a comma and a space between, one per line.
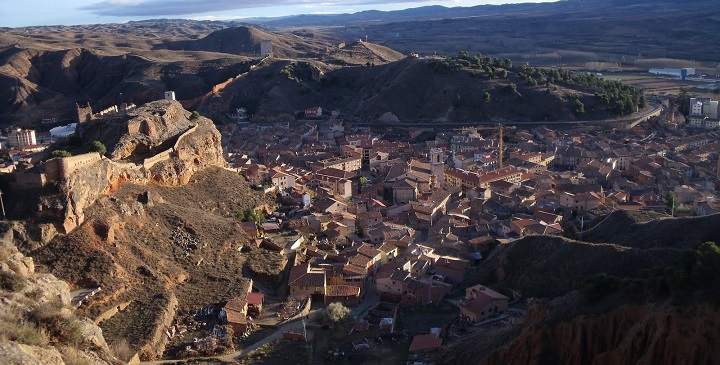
57, 80
649, 300
150, 224
632, 229
574, 31
549, 267
434, 89
360, 52
135, 245
246, 41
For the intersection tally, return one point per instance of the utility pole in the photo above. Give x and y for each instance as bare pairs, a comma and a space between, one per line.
2, 205
500, 145
672, 207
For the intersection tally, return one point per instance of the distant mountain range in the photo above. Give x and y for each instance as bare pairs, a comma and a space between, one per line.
442, 12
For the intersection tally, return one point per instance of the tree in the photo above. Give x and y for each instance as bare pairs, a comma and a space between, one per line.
511, 89
98, 147
250, 215
75, 141
707, 266
486, 97
336, 315
194, 116
578, 107
683, 102
61, 154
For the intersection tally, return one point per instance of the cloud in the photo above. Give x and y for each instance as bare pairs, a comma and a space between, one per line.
128, 8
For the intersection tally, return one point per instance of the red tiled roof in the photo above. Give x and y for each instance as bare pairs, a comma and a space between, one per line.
360, 260
354, 269
342, 291
236, 317
302, 276
236, 304
425, 342
255, 298
367, 250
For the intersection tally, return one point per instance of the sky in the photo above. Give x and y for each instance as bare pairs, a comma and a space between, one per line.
22, 13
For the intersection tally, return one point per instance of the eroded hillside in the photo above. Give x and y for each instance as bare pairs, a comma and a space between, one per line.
646, 298
155, 250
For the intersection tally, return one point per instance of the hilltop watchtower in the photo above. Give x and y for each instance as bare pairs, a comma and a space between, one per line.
266, 48
84, 113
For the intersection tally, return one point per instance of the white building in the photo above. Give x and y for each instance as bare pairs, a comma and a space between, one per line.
704, 106
704, 113
21, 138
169, 95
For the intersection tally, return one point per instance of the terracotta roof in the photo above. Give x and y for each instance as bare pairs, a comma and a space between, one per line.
452, 263
236, 304
236, 317
354, 270
425, 342
303, 276
367, 250
387, 248
360, 260
255, 298
342, 291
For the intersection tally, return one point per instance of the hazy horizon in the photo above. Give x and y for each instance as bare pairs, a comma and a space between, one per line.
51, 12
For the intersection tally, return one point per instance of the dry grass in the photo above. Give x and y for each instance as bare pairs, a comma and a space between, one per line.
12, 282
267, 262
72, 356
121, 349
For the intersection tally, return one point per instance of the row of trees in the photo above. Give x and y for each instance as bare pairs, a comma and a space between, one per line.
692, 271
96, 146
493, 67
623, 99
249, 215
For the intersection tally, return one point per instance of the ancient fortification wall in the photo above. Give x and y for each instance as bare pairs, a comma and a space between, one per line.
61, 168
160, 157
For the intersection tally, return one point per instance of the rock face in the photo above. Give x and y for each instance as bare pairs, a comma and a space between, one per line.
151, 126
35, 297
634, 334
160, 144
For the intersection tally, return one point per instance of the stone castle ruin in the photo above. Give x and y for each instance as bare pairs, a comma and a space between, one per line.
156, 143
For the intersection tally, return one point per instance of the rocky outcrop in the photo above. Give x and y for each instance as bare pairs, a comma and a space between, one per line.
36, 314
151, 126
155, 347
160, 132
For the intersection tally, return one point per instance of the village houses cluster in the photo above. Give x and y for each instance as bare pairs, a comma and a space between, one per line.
403, 214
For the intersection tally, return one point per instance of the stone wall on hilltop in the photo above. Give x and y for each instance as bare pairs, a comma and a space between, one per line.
163, 147
151, 126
